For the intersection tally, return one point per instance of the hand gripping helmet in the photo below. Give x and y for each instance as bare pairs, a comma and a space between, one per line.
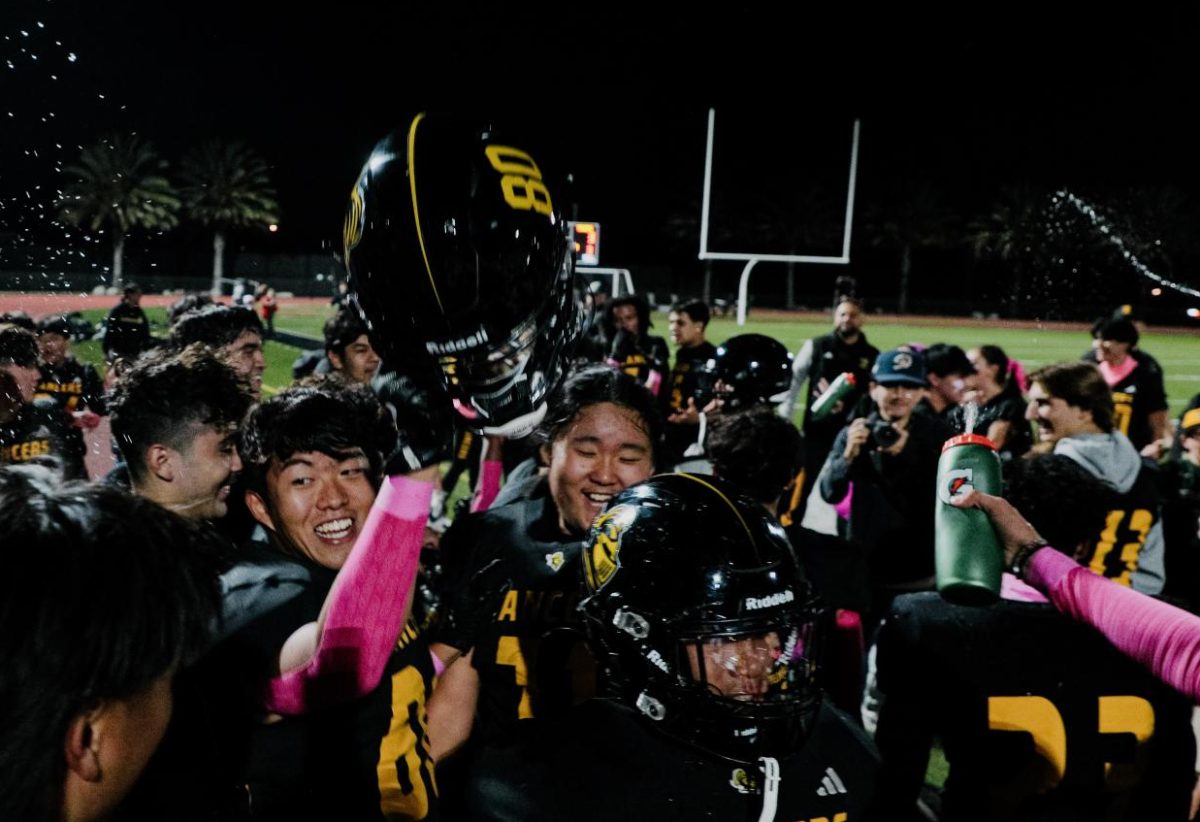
751, 369
455, 249
697, 612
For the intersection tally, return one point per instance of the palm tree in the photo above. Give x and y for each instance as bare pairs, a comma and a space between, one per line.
914, 216
119, 185
226, 186
1014, 232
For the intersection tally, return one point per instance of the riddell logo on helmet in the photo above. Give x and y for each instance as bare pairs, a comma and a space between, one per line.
758, 603
454, 346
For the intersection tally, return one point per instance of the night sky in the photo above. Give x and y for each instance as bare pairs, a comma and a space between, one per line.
615, 98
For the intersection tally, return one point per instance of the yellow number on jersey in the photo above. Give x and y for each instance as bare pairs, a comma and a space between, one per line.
508, 652
1038, 717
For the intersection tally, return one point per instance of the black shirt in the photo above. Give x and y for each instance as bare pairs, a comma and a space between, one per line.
39, 429
1039, 716
511, 583
1005, 407
682, 387
73, 386
126, 331
1137, 396
604, 762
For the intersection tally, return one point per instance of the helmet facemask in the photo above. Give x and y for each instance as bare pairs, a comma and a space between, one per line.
500, 386
739, 688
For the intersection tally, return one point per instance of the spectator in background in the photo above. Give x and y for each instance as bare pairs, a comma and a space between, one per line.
234, 333
688, 321
348, 347
186, 303
99, 607
891, 457
819, 362
949, 369
998, 405
35, 429
265, 295
634, 350
126, 329
74, 386
1136, 382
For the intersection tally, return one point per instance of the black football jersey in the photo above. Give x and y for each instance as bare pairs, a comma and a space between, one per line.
604, 762
1040, 718
511, 584
1135, 398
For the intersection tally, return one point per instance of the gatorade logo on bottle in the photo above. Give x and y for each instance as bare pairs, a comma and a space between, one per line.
955, 483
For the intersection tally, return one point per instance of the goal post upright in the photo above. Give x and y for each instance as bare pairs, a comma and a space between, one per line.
752, 259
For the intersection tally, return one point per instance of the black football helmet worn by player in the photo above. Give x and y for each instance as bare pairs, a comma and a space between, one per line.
746, 370
690, 585
455, 248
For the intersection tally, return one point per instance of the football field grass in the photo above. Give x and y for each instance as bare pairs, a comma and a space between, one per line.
1178, 353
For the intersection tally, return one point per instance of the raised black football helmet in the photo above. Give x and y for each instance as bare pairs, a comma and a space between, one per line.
746, 370
455, 248
690, 585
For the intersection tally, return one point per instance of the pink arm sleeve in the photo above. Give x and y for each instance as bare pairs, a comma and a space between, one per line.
1161, 637
366, 606
489, 485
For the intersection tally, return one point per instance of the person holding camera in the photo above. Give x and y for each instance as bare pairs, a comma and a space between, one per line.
883, 468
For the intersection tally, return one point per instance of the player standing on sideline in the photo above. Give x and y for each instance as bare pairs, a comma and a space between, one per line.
688, 321
634, 349
1136, 382
126, 328
74, 386
820, 361
34, 429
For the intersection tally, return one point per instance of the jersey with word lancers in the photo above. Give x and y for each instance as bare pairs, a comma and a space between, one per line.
510, 587
1040, 718
38, 429
603, 762
74, 386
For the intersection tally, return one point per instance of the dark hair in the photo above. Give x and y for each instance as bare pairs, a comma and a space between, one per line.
104, 597
186, 303
994, 355
18, 318
54, 324
166, 394
639, 304
1081, 385
214, 325
10, 397
943, 359
1062, 500
131, 288
696, 309
1118, 329
341, 329
18, 346
598, 384
756, 450
327, 415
